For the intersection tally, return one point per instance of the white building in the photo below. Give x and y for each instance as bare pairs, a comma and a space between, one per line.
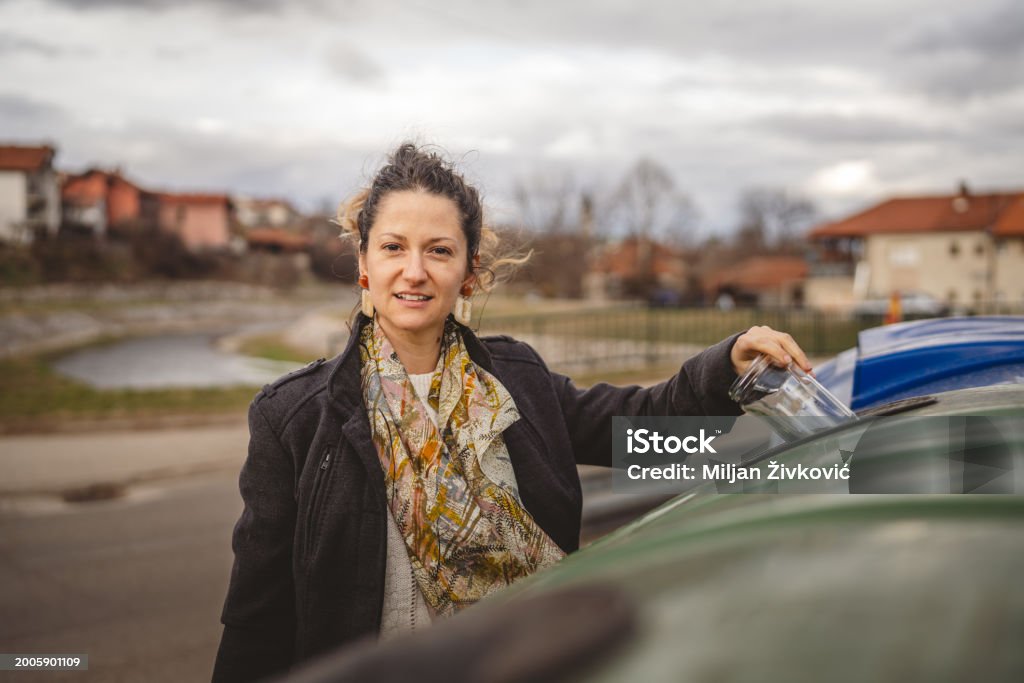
252, 212
966, 250
29, 194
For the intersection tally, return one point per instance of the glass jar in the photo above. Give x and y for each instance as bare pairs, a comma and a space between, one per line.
793, 402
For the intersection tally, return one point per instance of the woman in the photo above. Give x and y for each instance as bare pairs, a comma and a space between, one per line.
423, 468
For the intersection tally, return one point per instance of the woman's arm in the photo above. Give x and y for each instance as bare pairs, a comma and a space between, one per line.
259, 611
700, 388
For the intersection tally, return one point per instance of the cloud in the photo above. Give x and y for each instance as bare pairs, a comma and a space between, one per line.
349, 63
997, 34
26, 120
861, 129
847, 178
1004, 124
244, 6
161, 156
11, 43
958, 78
966, 53
16, 111
304, 97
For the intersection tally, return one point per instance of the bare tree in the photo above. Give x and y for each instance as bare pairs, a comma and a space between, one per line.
773, 217
649, 205
548, 202
558, 215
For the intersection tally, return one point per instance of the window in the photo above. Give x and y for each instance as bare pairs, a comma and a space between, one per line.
903, 255
954, 249
979, 249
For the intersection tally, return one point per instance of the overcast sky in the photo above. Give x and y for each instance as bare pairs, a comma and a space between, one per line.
847, 102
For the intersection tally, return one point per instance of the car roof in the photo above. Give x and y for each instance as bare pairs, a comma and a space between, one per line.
920, 334
925, 356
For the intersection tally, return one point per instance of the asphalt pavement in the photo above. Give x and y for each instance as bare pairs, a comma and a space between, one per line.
136, 583
117, 544
40, 465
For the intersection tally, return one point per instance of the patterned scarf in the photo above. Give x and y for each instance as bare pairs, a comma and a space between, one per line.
467, 536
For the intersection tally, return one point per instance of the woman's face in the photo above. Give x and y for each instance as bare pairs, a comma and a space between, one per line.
415, 262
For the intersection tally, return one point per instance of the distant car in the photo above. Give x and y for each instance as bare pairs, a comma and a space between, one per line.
926, 356
913, 304
770, 587
664, 298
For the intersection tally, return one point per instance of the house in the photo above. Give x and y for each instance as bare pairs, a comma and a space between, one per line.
277, 241
251, 212
760, 281
29, 194
100, 201
636, 266
202, 221
964, 249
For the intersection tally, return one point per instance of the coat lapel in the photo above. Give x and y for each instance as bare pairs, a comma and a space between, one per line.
343, 386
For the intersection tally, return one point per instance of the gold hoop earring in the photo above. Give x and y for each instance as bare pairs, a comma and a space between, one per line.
367, 304
463, 309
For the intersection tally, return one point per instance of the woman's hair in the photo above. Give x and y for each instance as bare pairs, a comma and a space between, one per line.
411, 168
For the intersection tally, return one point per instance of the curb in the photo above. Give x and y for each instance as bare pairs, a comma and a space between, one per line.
111, 489
80, 425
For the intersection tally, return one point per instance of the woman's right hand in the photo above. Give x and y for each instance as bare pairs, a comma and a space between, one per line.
780, 348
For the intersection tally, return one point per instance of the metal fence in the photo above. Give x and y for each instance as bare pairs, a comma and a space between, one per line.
636, 336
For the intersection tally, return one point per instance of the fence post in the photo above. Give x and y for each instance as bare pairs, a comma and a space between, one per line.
819, 344
651, 333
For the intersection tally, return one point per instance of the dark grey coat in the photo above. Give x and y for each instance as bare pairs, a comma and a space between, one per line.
310, 545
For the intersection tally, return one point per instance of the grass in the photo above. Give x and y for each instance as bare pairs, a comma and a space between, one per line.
820, 336
33, 394
86, 301
816, 333
31, 391
273, 347
498, 305
77, 305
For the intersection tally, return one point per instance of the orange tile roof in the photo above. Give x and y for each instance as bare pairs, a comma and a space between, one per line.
926, 214
93, 185
17, 158
759, 272
87, 188
623, 258
192, 198
1011, 220
267, 203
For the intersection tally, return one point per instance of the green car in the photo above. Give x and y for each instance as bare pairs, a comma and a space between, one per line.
908, 583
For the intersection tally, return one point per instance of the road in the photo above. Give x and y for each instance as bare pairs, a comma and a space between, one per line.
136, 583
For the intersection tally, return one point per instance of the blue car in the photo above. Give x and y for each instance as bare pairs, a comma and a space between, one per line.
924, 357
